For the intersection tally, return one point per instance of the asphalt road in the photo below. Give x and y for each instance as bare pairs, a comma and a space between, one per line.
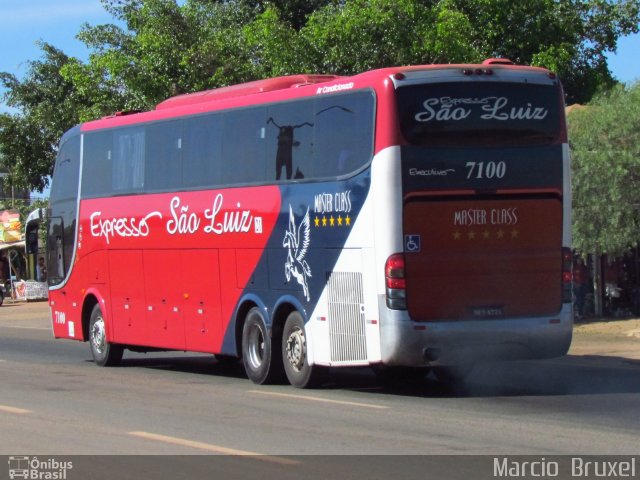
55, 401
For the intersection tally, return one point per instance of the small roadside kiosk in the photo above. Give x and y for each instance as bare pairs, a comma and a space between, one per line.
21, 278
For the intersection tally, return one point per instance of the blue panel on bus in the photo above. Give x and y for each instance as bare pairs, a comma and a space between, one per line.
313, 226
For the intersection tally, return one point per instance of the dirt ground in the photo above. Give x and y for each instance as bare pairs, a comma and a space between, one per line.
607, 338
628, 328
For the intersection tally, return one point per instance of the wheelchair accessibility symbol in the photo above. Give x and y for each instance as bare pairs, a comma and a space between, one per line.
412, 243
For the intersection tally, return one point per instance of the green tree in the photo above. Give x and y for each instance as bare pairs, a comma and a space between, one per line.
166, 49
27, 152
262, 41
47, 106
293, 12
605, 146
571, 37
358, 35
163, 50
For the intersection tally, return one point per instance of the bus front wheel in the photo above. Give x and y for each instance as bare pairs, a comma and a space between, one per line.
259, 362
294, 354
104, 353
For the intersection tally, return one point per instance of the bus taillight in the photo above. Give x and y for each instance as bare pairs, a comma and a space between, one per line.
395, 282
567, 275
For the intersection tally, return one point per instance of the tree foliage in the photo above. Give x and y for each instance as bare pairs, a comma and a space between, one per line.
159, 48
163, 49
570, 37
605, 143
47, 104
366, 34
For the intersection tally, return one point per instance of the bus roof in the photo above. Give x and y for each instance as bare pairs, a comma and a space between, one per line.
282, 88
249, 88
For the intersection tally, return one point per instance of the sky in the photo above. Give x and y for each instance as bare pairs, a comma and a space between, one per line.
24, 22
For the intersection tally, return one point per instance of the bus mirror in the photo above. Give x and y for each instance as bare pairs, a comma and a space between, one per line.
31, 238
32, 227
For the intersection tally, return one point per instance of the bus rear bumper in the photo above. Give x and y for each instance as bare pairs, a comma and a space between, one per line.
408, 343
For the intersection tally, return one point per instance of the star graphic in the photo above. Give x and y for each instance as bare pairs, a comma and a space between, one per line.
347, 219
456, 235
332, 220
339, 220
324, 221
500, 233
486, 235
514, 233
317, 222
471, 235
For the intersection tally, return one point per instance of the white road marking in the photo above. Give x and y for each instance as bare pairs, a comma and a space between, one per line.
213, 448
319, 399
16, 410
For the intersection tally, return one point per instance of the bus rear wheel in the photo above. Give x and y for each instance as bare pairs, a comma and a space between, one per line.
259, 362
294, 355
104, 353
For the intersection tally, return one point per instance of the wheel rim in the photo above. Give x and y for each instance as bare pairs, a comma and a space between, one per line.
296, 349
98, 336
256, 347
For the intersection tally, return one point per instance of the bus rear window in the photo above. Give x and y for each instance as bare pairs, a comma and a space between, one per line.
472, 113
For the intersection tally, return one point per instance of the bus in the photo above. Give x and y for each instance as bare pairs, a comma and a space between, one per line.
408, 219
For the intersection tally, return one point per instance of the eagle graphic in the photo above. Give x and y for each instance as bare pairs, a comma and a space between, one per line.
297, 240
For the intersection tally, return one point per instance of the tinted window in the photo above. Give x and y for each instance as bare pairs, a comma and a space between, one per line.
202, 151
97, 170
243, 147
128, 160
344, 133
319, 137
468, 113
163, 168
63, 201
290, 141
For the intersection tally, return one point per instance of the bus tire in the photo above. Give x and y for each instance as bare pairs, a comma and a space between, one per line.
104, 353
294, 355
259, 362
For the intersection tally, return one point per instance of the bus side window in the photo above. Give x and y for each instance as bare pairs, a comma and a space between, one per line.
290, 135
163, 153
202, 151
128, 160
244, 146
64, 205
97, 171
344, 133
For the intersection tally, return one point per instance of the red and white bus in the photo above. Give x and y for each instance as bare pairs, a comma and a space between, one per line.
406, 218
